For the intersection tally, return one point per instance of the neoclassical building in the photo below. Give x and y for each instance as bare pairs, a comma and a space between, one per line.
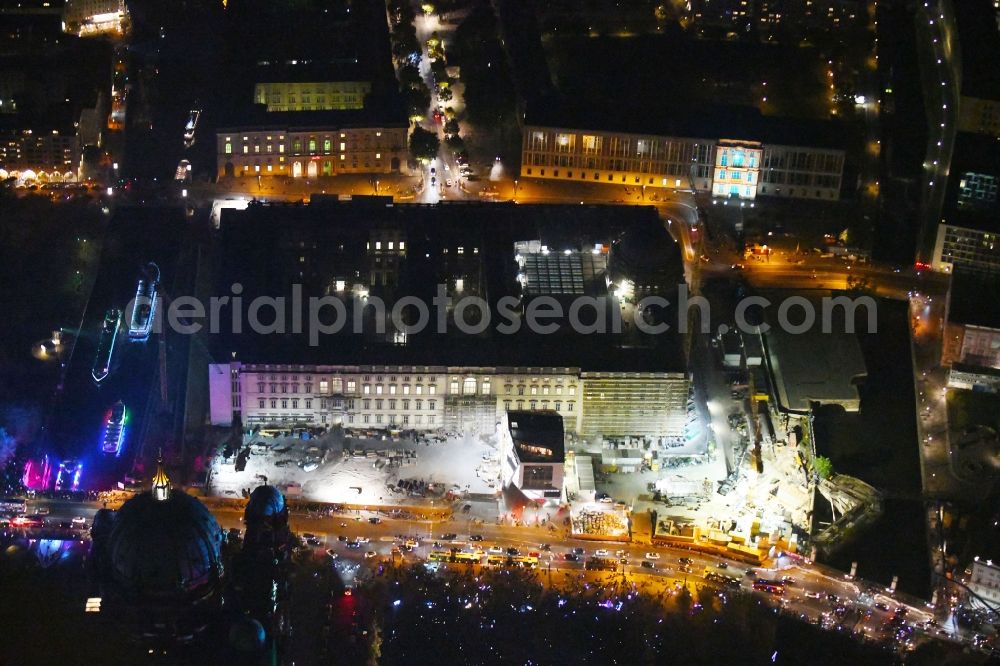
310, 151
452, 398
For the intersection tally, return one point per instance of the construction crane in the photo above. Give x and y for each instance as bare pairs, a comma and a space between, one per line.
758, 458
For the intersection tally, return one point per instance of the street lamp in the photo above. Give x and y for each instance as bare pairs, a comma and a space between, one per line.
515, 189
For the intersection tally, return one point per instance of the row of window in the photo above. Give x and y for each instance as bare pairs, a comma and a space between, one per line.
297, 150
392, 419
623, 146
669, 168
418, 405
466, 386
722, 174
262, 403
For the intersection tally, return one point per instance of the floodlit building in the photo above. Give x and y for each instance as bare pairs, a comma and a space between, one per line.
86, 18
532, 454
967, 238
985, 581
390, 397
971, 340
376, 374
311, 95
457, 399
39, 155
737, 169
678, 162
310, 151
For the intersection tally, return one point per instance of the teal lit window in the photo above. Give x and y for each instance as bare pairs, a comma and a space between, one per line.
738, 159
724, 161
722, 173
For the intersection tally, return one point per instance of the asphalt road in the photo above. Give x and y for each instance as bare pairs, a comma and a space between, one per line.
815, 593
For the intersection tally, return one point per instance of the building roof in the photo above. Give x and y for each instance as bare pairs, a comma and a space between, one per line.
268, 249
979, 44
984, 370
964, 205
338, 69
709, 122
973, 300
378, 112
816, 366
538, 436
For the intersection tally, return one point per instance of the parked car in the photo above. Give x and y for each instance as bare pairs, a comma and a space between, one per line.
648, 565
652, 556
475, 537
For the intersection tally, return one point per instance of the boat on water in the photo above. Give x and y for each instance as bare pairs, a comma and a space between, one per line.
144, 306
106, 345
190, 126
114, 429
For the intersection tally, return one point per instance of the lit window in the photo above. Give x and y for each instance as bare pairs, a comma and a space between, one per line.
378, 156
343, 146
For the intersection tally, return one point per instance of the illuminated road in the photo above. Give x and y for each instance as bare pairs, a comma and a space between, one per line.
939, 76
856, 598
816, 592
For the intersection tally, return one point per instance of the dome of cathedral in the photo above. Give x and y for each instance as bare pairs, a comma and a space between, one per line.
265, 502
164, 546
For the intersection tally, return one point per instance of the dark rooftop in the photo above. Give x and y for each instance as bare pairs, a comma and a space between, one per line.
538, 436
270, 248
968, 202
378, 112
707, 122
341, 69
973, 300
979, 43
